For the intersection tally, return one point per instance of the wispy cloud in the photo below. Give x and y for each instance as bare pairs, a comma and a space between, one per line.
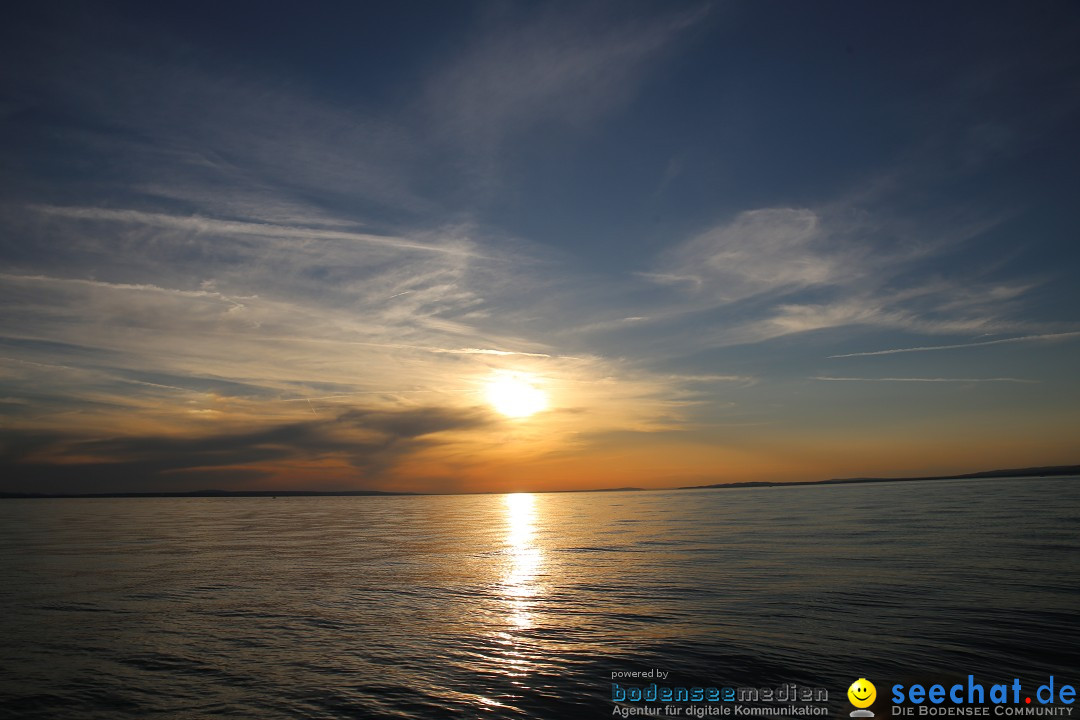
779, 271
205, 225
134, 287
958, 346
548, 63
759, 251
927, 379
488, 351
714, 378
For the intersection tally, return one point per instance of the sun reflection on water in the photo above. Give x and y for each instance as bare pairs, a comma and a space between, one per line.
520, 585
513, 651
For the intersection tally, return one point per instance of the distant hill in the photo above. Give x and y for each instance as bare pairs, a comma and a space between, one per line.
1049, 471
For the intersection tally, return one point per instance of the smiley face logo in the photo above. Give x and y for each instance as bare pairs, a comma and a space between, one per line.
862, 693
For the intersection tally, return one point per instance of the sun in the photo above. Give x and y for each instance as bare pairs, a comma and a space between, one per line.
515, 395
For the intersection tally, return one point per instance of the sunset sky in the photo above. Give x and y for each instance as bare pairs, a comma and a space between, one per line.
456, 246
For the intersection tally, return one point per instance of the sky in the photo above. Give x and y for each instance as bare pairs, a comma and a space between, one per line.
506, 246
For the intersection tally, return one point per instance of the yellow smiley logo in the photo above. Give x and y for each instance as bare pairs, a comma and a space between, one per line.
862, 693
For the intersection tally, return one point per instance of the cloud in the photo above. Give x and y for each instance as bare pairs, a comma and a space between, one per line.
778, 271
227, 138
488, 351
803, 318
882, 311
760, 251
370, 440
927, 379
283, 282
134, 287
204, 225
713, 378
561, 62
958, 346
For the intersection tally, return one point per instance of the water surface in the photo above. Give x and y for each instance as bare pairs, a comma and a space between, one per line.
522, 605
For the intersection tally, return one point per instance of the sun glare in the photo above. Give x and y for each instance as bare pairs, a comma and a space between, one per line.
515, 395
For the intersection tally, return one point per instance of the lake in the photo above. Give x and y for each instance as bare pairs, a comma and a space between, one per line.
524, 605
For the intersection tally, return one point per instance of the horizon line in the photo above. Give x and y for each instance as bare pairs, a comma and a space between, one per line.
1046, 471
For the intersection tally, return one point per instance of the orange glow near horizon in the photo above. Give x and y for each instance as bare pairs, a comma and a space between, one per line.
519, 425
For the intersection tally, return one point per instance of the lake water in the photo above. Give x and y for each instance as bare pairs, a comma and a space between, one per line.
523, 605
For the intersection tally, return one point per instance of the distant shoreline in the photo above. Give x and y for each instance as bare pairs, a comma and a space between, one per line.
204, 494
273, 493
1019, 473
1049, 471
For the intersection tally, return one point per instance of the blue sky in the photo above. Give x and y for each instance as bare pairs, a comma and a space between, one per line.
270, 246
